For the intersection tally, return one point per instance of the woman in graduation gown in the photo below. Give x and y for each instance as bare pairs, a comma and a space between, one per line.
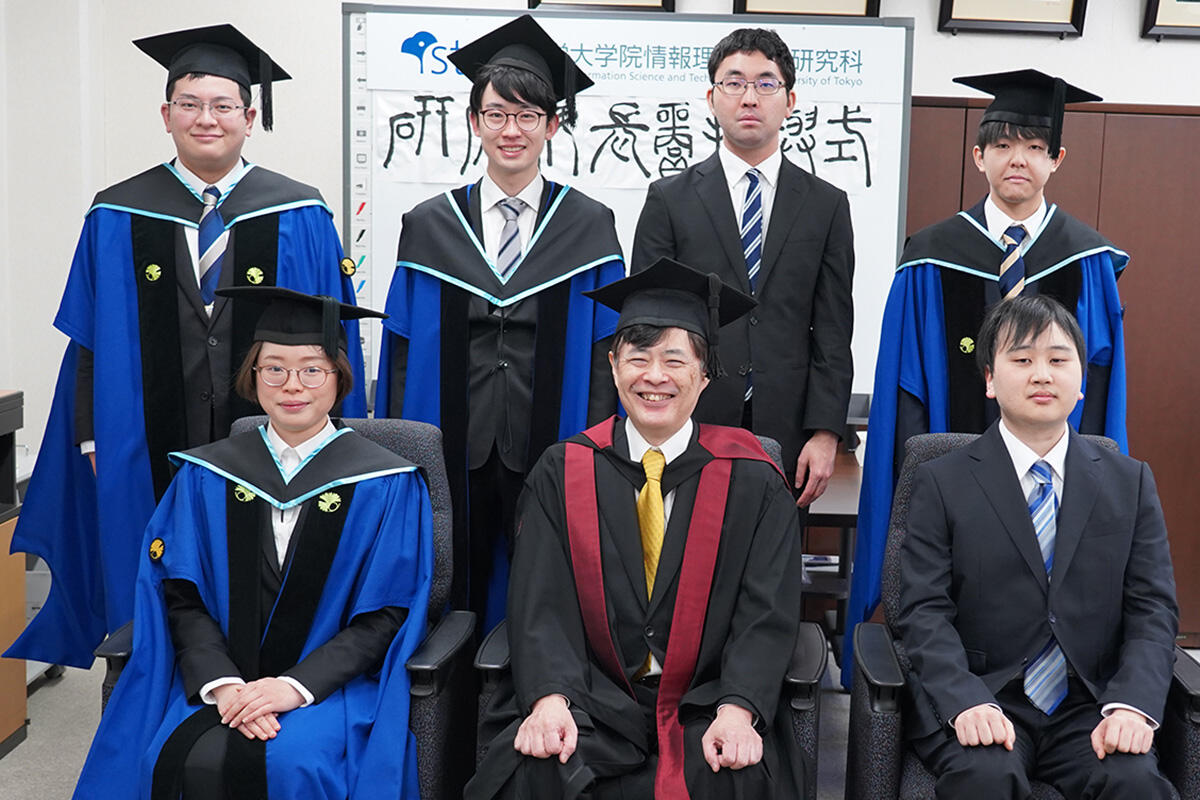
284, 585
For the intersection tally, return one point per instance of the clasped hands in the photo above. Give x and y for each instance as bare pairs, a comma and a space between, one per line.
254, 708
1122, 731
549, 730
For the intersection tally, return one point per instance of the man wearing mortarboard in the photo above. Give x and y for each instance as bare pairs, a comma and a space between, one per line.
656, 581
283, 586
490, 336
152, 350
1011, 243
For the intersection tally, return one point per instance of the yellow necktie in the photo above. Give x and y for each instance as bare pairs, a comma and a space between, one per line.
650, 514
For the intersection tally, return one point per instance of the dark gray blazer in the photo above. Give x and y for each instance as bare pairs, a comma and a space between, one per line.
798, 338
976, 605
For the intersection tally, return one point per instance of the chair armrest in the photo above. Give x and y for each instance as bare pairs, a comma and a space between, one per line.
492, 656
1186, 680
809, 657
117, 645
875, 657
429, 666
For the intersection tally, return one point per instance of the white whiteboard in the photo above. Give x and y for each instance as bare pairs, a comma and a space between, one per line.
407, 136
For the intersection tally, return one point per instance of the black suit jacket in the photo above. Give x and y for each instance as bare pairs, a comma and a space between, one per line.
798, 338
975, 603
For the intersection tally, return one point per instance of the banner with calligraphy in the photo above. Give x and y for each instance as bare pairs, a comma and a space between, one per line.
646, 118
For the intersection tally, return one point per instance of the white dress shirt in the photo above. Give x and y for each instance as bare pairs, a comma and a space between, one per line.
998, 222
283, 523
490, 196
735, 176
1023, 458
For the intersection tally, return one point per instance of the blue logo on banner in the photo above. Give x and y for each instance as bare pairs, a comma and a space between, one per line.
424, 42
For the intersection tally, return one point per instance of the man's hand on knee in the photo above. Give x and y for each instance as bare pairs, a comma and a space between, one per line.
731, 740
548, 730
984, 725
1122, 731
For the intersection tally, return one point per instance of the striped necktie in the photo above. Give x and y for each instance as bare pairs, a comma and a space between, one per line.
510, 237
1012, 268
1046, 677
213, 238
752, 228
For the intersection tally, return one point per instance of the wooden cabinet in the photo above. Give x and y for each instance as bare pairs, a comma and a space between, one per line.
12, 579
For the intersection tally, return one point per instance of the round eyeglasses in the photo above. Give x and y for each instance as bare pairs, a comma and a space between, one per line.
495, 120
218, 108
309, 377
735, 87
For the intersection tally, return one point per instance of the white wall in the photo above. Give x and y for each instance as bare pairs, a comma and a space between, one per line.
88, 116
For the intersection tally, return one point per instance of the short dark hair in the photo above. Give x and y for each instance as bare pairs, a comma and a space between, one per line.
644, 336
754, 40
1020, 320
244, 381
992, 132
514, 85
243, 92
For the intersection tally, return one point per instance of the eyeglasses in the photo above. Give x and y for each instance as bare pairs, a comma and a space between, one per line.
218, 108
310, 377
736, 87
496, 120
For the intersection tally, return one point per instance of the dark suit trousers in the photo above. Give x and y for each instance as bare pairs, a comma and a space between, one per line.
1054, 749
493, 490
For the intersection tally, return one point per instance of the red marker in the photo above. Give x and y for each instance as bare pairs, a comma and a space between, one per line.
361, 206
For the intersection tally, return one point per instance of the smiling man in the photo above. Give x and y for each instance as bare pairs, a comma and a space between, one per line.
1010, 243
490, 336
659, 570
777, 233
149, 366
1037, 601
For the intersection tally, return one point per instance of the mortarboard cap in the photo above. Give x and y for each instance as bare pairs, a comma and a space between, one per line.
1030, 98
291, 317
524, 44
668, 294
220, 50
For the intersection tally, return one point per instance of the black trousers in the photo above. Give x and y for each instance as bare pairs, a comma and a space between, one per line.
1054, 749
493, 490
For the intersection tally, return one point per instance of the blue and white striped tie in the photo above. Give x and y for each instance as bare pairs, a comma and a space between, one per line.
752, 228
510, 237
1046, 677
752, 242
212, 239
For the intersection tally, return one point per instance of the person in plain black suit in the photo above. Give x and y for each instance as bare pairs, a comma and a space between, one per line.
789, 360
1040, 617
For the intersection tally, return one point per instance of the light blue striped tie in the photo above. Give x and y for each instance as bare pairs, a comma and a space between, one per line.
510, 237
1046, 677
752, 242
212, 240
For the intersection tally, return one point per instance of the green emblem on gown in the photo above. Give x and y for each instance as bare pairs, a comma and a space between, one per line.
254, 275
348, 267
243, 494
153, 272
157, 548
967, 345
329, 502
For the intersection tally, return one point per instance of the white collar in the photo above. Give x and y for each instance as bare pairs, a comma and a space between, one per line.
735, 168
671, 449
199, 185
1023, 457
998, 221
305, 448
490, 193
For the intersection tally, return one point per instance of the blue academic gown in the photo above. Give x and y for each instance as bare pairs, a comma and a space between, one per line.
87, 527
354, 743
922, 357
573, 247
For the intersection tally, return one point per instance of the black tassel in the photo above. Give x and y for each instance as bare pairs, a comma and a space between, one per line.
568, 115
1056, 117
264, 78
713, 362
331, 318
